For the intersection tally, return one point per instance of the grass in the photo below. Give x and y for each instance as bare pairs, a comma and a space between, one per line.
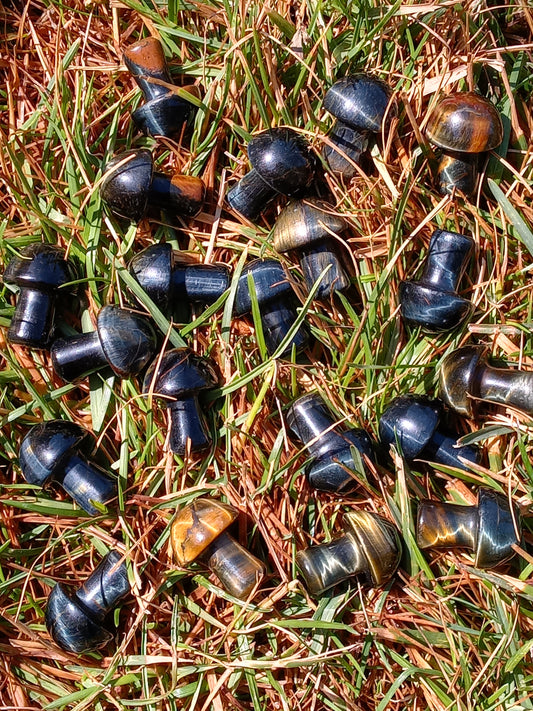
441, 635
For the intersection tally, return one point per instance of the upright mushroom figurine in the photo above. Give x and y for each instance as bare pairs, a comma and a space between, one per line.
464, 126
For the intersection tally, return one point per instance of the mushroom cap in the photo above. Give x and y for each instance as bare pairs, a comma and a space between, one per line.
435, 310
45, 448
458, 378
197, 525
270, 283
303, 222
178, 374
127, 339
152, 268
126, 183
496, 529
360, 101
40, 266
410, 421
283, 159
70, 625
465, 122
379, 542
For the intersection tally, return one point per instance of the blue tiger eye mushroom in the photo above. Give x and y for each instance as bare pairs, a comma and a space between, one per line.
76, 620
55, 452
38, 272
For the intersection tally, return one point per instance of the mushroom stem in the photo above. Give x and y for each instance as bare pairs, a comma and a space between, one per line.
33, 318
446, 525
105, 587
187, 428
178, 194
146, 61
326, 565
506, 387
314, 261
277, 318
76, 356
199, 282
443, 449
457, 172
236, 568
349, 145
86, 483
250, 195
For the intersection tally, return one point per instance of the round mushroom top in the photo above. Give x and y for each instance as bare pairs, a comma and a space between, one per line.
283, 159
465, 123
127, 339
303, 222
458, 378
126, 183
179, 373
152, 268
410, 421
197, 525
497, 532
70, 625
378, 541
47, 446
40, 266
270, 282
360, 101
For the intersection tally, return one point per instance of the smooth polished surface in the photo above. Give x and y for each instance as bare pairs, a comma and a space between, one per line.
332, 467
38, 272
463, 123
199, 529
433, 302
164, 112
277, 303
467, 380
411, 423
169, 283
370, 549
282, 162
130, 186
488, 528
123, 340
178, 378
75, 621
312, 229
54, 451
360, 103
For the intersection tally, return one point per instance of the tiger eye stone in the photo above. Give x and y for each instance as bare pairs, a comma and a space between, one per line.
465, 122
196, 526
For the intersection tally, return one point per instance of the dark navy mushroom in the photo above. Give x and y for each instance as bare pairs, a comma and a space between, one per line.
164, 113
332, 467
123, 340
76, 621
282, 162
55, 452
178, 378
38, 272
433, 302
411, 422
277, 304
360, 103
131, 185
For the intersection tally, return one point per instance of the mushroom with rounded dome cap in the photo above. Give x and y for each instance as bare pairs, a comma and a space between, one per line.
77, 621
489, 528
178, 378
360, 103
123, 341
282, 162
277, 304
370, 550
164, 113
55, 452
466, 379
199, 530
39, 272
433, 302
412, 423
464, 125
312, 229
131, 185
